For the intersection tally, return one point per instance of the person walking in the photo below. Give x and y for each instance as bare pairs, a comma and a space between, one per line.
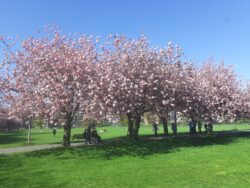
190, 124
174, 129
210, 129
199, 127
54, 131
194, 127
155, 128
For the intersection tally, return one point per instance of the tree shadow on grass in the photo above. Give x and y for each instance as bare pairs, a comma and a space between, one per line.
140, 149
11, 139
20, 137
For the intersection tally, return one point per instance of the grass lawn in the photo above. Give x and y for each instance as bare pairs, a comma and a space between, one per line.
10, 139
182, 162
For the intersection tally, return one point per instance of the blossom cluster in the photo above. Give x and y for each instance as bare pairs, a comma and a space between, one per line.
56, 76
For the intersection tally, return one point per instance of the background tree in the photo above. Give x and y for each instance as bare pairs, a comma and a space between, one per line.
220, 87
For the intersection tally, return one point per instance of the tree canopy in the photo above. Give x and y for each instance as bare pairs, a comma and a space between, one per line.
57, 75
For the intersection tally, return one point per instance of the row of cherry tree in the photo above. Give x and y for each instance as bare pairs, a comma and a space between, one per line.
55, 76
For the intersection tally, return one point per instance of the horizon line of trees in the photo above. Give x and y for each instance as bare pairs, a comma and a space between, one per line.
56, 75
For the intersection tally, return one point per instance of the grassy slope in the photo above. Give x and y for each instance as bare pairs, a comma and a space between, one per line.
44, 136
183, 162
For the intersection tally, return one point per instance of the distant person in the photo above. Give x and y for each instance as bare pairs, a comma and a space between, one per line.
194, 127
205, 126
190, 125
174, 129
210, 129
155, 128
87, 135
95, 137
199, 127
54, 131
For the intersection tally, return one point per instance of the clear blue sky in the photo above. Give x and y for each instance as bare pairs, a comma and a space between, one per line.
203, 28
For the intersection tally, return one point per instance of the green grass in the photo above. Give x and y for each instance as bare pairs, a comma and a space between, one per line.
10, 139
182, 162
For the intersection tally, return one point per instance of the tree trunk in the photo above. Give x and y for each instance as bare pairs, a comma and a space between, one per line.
175, 122
134, 126
165, 125
29, 132
67, 130
137, 123
175, 118
130, 125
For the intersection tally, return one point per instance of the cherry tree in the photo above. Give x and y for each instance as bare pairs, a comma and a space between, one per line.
213, 92
51, 76
128, 74
245, 100
241, 102
169, 83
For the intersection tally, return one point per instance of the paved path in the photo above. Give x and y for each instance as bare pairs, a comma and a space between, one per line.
33, 148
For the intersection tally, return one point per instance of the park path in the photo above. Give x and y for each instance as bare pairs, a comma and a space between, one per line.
34, 148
